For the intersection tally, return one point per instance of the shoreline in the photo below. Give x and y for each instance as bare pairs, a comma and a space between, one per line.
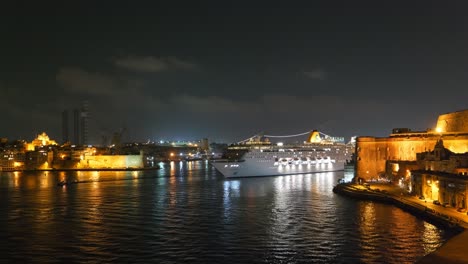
452, 251
86, 169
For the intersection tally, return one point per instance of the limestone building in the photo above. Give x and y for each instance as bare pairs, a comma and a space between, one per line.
442, 176
394, 157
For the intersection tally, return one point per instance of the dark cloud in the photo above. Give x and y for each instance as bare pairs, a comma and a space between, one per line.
225, 71
317, 74
75, 80
153, 64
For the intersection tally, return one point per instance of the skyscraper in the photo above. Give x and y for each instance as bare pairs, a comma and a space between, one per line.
80, 125
65, 131
76, 126
84, 116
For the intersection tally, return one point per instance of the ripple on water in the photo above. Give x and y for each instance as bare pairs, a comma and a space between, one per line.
189, 213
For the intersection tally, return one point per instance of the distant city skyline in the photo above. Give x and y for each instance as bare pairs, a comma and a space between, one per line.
225, 72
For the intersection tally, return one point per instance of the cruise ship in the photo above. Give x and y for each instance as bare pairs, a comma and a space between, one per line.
258, 156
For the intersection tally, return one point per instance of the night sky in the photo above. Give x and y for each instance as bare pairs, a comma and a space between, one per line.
226, 70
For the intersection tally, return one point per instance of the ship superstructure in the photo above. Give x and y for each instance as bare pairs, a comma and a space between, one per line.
257, 156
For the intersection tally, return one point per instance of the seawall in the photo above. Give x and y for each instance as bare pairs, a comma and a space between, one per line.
454, 250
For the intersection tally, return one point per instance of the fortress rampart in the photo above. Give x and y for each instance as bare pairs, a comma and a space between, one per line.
453, 122
373, 154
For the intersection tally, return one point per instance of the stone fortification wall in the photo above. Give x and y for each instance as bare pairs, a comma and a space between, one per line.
453, 122
373, 153
112, 161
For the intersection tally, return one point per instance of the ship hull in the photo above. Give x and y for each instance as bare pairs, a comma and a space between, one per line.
249, 168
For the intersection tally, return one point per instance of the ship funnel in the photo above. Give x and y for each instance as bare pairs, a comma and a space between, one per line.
314, 137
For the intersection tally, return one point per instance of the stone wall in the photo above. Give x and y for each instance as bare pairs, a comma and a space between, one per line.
372, 153
453, 122
111, 161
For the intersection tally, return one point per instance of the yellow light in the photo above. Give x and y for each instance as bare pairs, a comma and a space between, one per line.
428, 182
438, 129
172, 154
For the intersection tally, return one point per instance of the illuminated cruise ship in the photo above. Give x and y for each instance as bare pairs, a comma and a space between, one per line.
257, 156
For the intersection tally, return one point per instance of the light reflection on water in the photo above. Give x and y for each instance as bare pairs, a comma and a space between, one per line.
186, 212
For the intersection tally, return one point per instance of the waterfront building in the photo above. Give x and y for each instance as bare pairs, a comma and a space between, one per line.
40, 141
442, 175
204, 145
43, 153
12, 159
39, 159
394, 157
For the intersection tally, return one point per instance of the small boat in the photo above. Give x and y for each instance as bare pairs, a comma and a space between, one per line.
62, 183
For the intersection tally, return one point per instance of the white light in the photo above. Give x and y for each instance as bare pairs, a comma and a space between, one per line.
280, 144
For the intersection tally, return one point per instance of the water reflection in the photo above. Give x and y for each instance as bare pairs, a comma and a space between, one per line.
16, 179
231, 191
431, 238
189, 213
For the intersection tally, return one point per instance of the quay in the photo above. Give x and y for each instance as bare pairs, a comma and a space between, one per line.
453, 251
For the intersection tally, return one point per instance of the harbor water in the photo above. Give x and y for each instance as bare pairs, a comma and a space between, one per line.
186, 212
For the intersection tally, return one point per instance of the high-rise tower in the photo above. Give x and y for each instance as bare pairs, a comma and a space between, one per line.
65, 131
76, 126
84, 118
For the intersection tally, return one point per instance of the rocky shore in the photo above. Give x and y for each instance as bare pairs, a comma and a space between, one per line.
453, 251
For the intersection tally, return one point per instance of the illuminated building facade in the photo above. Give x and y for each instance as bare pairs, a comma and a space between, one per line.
442, 176
395, 156
11, 160
41, 140
44, 153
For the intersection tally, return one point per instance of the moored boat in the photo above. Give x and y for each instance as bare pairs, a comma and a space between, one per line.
258, 156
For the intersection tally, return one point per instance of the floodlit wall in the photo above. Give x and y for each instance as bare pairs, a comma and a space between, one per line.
111, 161
372, 153
453, 122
